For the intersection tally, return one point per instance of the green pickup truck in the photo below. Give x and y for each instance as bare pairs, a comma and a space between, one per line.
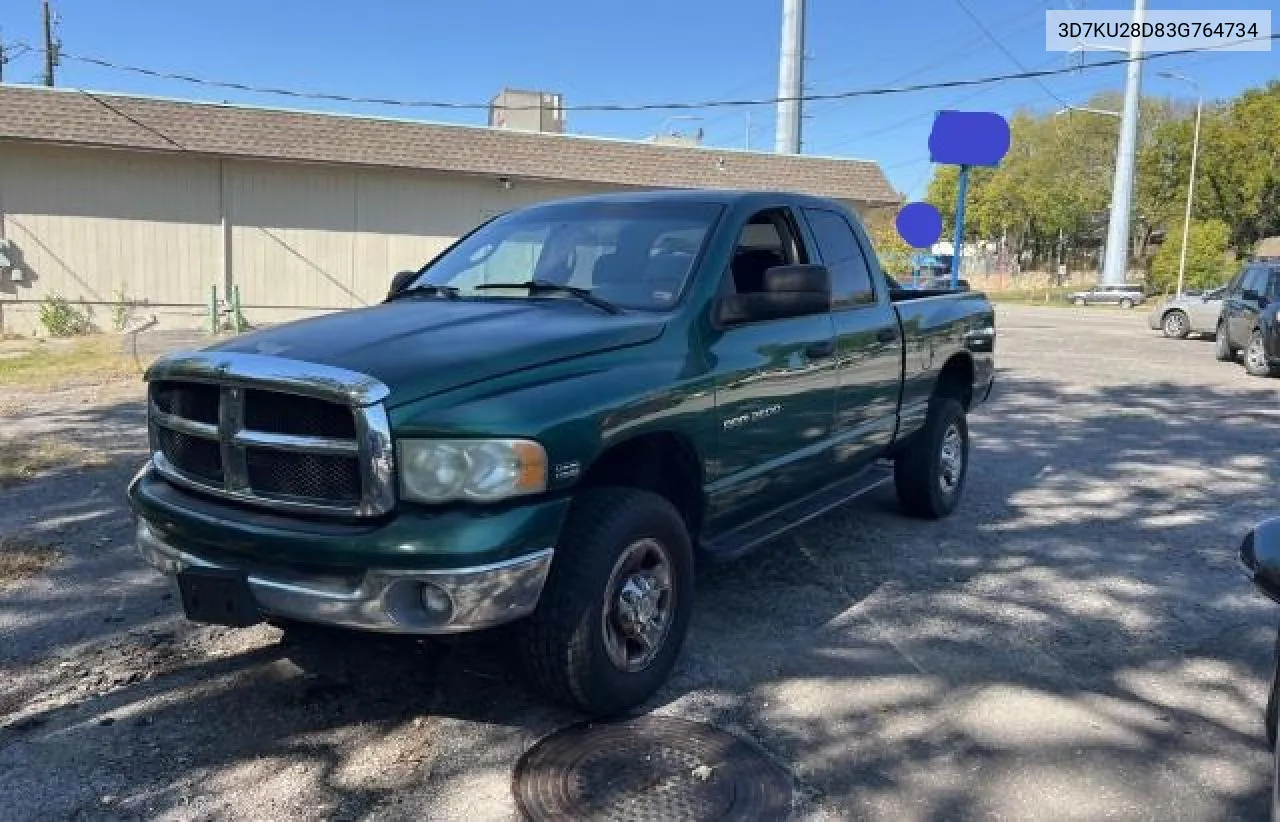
549, 426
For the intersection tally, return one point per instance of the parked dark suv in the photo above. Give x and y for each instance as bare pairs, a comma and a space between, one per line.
1248, 319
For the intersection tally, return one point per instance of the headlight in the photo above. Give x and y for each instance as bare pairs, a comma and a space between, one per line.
482, 470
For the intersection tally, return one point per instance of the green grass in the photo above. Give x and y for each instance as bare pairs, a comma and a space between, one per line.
39, 364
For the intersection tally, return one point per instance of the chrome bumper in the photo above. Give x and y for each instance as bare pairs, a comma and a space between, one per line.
385, 601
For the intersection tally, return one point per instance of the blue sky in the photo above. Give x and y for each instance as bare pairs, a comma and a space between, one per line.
606, 51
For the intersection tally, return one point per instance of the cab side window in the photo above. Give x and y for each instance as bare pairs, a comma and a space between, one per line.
842, 254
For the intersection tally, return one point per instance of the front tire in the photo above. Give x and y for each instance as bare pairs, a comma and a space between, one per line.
1126, 303
1079, 301
930, 473
1222, 346
1255, 357
1176, 325
615, 609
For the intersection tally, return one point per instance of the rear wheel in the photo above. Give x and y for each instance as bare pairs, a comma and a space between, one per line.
929, 474
1078, 301
1176, 325
1255, 357
1222, 345
615, 609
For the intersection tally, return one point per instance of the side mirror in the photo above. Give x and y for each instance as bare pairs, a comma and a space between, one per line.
789, 291
400, 280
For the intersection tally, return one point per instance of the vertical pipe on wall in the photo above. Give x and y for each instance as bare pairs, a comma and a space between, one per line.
228, 278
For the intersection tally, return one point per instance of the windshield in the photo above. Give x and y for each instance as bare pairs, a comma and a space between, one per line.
632, 255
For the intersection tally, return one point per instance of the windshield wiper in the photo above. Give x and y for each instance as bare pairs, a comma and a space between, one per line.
429, 288
583, 294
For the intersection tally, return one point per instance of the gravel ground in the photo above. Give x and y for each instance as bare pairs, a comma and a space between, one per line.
1074, 643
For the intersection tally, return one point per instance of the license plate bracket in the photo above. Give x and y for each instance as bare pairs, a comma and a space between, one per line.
218, 596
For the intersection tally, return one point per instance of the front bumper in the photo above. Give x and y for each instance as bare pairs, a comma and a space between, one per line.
385, 601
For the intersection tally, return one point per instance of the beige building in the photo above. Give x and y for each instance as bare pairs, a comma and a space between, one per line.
163, 201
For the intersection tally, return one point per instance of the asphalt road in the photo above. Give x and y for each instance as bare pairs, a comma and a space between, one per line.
1074, 643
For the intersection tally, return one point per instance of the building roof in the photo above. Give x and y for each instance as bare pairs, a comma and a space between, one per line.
78, 117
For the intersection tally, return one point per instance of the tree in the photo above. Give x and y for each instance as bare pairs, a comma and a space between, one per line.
892, 250
1208, 264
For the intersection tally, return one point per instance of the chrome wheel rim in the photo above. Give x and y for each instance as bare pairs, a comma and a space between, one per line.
638, 605
1256, 357
1174, 324
951, 462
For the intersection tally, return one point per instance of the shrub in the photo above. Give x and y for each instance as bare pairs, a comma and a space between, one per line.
62, 319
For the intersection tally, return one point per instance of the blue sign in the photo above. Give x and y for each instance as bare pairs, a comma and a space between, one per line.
969, 138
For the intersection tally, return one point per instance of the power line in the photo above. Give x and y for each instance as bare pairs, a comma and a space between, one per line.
762, 101
995, 41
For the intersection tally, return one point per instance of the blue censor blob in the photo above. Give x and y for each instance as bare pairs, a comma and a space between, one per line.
969, 138
919, 224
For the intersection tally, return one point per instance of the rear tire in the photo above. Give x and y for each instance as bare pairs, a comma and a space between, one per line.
1255, 357
606, 632
1176, 325
1222, 346
930, 473
1079, 301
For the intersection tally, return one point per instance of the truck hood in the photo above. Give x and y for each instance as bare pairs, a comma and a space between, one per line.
428, 346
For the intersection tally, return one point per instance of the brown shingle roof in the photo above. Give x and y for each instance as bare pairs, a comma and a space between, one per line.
117, 121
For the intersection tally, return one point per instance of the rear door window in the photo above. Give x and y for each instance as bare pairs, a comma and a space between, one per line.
841, 253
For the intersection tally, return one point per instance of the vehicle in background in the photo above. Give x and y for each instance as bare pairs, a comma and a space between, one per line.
1247, 322
1259, 553
1192, 313
1126, 295
544, 426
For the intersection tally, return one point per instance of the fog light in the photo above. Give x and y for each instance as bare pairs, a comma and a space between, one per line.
437, 602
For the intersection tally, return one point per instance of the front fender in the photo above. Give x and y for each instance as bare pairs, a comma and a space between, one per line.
1260, 555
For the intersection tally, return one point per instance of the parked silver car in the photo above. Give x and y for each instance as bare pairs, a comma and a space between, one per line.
1125, 296
1179, 317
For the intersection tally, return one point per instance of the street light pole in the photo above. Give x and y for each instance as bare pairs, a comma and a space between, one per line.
1191, 183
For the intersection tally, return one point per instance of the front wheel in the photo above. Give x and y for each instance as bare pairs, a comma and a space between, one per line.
1078, 301
1126, 303
615, 609
1222, 346
929, 475
1255, 357
1176, 325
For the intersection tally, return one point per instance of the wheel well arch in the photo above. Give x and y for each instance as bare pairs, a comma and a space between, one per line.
955, 380
663, 462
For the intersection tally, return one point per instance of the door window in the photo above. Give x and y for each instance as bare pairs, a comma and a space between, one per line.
767, 240
1255, 280
840, 251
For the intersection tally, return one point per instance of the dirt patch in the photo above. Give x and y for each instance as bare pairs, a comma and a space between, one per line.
40, 364
24, 459
21, 558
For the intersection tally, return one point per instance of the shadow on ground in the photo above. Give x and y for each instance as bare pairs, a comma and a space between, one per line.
1074, 643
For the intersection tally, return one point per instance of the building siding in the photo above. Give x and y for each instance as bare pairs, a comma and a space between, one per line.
296, 238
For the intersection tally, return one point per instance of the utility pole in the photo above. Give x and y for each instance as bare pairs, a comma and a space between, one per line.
790, 78
50, 45
1115, 264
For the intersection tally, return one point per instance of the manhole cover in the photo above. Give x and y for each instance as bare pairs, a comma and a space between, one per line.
649, 768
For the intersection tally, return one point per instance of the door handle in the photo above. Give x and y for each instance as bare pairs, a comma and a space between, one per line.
820, 350
886, 335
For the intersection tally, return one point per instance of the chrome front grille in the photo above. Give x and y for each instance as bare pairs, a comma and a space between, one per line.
246, 427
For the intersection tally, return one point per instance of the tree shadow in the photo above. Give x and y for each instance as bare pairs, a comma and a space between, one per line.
1074, 642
